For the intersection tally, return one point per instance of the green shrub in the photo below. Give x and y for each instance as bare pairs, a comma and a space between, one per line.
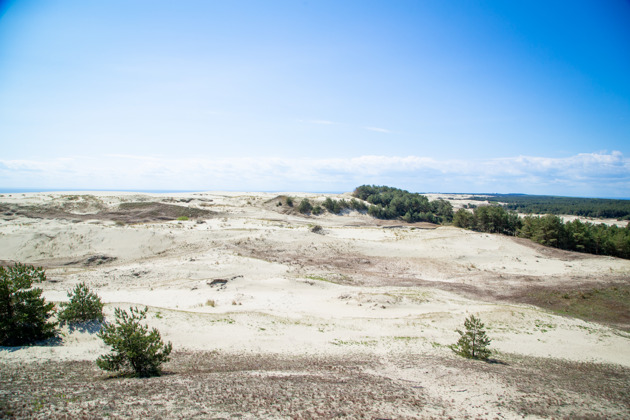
289, 201
317, 229
317, 210
24, 313
84, 305
182, 218
473, 343
133, 345
305, 206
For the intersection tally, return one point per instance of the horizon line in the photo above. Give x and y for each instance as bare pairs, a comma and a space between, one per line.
173, 191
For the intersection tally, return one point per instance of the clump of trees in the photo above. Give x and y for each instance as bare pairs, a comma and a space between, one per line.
394, 203
331, 205
473, 342
24, 313
491, 219
83, 306
337, 206
134, 347
25, 319
549, 230
305, 206
598, 239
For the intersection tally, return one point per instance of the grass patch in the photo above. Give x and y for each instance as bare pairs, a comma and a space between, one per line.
332, 278
370, 343
405, 339
608, 305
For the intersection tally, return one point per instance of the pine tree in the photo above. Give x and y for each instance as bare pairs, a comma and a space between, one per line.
473, 343
84, 305
24, 313
133, 345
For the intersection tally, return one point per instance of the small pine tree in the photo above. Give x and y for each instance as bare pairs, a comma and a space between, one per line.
133, 345
473, 343
84, 305
24, 313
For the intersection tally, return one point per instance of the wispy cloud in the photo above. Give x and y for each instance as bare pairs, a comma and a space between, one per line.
377, 129
319, 122
590, 174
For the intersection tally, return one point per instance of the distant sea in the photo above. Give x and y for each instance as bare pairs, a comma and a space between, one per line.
36, 190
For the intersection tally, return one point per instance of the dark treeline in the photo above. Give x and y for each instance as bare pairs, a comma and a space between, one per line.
541, 204
337, 206
394, 203
549, 230
491, 219
598, 239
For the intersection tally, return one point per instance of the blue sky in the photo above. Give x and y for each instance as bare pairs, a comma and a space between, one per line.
458, 96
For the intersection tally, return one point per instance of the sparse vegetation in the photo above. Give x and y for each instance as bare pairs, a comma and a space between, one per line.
608, 304
24, 313
211, 385
133, 345
182, 218
473, 342
84, 305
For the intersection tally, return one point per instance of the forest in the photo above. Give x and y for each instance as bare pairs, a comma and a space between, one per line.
544, 204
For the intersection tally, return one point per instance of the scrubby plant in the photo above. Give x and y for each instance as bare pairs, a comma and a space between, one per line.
24, 313
305, 206
317, 229
133, 345
84, 305
317, 210
473, 343
289, 201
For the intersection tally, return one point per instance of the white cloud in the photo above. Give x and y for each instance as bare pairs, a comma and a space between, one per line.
588, 174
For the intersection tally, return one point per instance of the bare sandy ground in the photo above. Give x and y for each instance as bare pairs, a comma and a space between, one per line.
245, 276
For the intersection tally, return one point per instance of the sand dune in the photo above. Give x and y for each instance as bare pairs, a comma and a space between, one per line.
244, 275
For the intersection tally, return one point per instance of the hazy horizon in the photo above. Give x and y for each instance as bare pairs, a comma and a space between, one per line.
514, 97
158, 191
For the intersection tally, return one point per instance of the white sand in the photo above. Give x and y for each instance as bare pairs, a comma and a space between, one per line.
286, 306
